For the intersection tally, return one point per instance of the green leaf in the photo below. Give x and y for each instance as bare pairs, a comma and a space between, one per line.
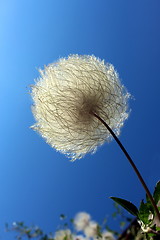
156, 194
144, 212
130, 207
149, 204
157, 228
151, 234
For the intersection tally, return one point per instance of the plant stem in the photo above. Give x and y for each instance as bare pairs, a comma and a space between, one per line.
132, 164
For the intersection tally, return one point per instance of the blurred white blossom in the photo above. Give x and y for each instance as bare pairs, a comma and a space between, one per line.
63, 234
81, 221
107, 236
91, 230
66, 95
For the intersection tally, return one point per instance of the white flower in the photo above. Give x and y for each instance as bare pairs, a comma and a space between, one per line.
107, 236
81, 221
153, 220
91, 229
63, 234
145, 227
66, 95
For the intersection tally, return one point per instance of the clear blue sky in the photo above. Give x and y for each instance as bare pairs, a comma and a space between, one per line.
37, 184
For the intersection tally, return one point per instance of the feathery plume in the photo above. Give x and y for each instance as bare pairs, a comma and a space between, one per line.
66, 95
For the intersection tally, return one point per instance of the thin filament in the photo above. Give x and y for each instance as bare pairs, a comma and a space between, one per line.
132, 164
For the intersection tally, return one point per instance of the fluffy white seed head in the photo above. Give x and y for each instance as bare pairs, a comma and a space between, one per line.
65, 96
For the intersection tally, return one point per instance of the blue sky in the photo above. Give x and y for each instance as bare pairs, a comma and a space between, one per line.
37, 184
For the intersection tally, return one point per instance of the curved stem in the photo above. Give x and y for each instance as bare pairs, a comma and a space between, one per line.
132, 164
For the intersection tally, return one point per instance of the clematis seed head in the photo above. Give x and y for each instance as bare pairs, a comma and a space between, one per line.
65, 96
